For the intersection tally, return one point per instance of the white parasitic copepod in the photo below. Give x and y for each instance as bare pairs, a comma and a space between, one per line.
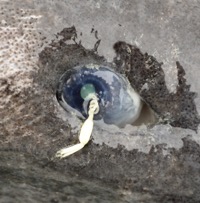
96, 92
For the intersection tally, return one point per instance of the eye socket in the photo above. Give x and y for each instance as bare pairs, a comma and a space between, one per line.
118, 103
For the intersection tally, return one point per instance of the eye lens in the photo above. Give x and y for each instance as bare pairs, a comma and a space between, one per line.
86, 90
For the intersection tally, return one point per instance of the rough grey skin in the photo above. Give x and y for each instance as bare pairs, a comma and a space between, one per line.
159, 164
147, 77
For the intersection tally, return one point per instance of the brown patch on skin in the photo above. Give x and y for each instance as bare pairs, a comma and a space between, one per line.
147, 78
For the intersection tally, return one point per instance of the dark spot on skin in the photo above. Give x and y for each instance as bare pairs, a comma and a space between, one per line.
96, 34
68, 33
92, 30
96, 45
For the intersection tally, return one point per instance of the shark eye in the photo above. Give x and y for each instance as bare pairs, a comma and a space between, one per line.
118, 103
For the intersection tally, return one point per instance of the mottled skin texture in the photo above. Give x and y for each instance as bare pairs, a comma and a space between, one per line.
143, 70
98, 172
133, 175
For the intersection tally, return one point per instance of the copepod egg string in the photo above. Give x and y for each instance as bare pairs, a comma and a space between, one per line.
87, 127
85, 133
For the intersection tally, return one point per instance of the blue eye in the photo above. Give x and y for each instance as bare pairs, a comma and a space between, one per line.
118, 103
